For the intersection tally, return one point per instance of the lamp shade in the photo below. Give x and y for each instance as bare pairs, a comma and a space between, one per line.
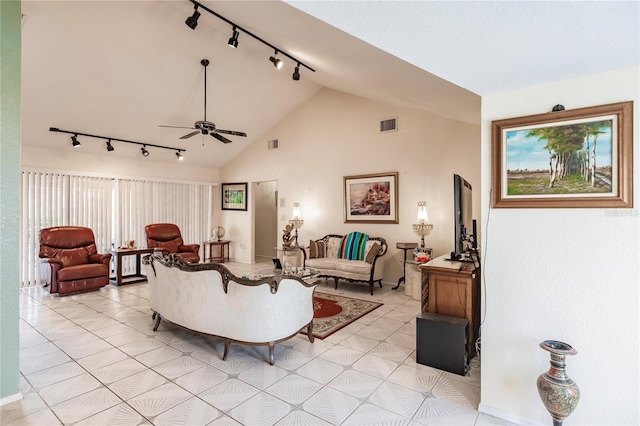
296, 211
422, 212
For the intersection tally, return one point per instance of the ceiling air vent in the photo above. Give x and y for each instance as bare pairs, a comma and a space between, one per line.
390, 125
273, 144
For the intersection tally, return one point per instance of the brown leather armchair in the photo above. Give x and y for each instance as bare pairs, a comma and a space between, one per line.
167, 237
70, 262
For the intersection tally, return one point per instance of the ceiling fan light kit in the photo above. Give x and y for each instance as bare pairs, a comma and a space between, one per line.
75, 142
192, 22
207, 127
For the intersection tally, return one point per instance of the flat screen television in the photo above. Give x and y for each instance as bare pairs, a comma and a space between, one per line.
464, 225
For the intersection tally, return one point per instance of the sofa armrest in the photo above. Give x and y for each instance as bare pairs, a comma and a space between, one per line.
103, 258
195, 248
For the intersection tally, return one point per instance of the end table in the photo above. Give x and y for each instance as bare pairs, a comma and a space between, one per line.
211, 244
404, 247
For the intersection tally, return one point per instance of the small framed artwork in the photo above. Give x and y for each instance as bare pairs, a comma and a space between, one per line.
371, 198
234, 196
581, 158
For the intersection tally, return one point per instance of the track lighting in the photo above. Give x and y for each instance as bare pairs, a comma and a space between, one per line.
296, 73
145, 152
192, 21
179, 156
233, 41
276, 61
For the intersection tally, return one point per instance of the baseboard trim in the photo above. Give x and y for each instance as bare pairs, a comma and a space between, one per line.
11, 398
503, 415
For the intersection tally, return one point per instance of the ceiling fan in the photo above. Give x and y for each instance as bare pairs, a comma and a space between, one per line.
207, 127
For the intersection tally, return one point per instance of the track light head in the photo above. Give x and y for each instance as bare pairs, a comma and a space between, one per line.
296, 73
277, 62
74, 141
179, 156
144, 151
233, 41
192, 21
109, 146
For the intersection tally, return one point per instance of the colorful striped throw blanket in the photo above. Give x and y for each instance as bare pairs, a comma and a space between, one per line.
353, 246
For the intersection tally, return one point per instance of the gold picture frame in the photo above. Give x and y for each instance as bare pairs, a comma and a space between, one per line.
371, 198
581, 158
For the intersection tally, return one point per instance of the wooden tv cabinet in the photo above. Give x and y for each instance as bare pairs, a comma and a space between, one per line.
453, 289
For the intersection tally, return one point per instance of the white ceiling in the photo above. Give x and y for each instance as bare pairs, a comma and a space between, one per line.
121, 69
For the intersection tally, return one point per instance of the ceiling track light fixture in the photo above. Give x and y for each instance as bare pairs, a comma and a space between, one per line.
276, 61
233, 41
192, 22
108, 139
296, 73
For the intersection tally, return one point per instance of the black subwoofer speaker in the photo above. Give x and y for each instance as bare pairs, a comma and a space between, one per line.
441, 342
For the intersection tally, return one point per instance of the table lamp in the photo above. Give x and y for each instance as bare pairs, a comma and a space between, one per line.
422, 228
295, 219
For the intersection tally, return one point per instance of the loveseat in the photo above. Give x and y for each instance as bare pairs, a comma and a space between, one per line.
354, 257
208, 298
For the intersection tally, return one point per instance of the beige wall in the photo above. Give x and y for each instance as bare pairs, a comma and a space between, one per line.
334, 135
562, 274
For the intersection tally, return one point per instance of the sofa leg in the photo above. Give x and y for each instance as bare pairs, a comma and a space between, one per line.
158, 318
227, 342
371, 287
380, 283
310, 332
271, 357
336, 285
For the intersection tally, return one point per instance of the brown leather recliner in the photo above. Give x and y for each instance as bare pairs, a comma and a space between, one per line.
167, 237
70, 262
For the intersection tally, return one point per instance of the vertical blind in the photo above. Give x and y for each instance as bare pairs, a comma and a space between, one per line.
117, 210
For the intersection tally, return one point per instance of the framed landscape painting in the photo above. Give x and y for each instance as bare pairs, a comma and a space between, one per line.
581, 158
371, 198
234, 196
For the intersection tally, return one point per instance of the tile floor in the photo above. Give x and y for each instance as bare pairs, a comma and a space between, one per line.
93, 359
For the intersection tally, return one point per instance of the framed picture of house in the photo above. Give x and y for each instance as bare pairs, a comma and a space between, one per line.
234, 196
371, 198
579, 158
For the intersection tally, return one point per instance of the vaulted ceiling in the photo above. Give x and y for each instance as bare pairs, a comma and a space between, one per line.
122, 68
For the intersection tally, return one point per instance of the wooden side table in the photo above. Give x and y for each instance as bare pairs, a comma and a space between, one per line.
137, 277
211, 244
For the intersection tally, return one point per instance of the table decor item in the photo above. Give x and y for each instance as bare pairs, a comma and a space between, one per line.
559, 393
218, 233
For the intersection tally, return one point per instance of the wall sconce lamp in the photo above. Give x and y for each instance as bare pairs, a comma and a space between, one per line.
296, 221
422, 228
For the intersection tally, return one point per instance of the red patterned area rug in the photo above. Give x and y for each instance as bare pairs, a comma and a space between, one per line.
332, 312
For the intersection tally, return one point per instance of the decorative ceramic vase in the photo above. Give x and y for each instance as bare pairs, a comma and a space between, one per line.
558, 392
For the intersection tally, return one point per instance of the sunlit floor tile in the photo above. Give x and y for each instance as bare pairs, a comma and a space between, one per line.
294, 389
372, 415
193, 411
85, 405
262, 409
331, 405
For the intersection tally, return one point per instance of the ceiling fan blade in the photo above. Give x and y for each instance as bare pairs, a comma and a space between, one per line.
220, 137
187, 136
231, 132
177, 127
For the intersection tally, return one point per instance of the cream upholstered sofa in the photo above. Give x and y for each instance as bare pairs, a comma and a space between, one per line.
208, 298
355, 259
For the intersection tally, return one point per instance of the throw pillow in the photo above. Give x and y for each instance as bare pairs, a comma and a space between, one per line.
316, 249
352, 246
373, 251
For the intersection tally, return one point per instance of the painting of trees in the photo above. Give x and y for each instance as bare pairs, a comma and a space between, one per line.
566, 158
